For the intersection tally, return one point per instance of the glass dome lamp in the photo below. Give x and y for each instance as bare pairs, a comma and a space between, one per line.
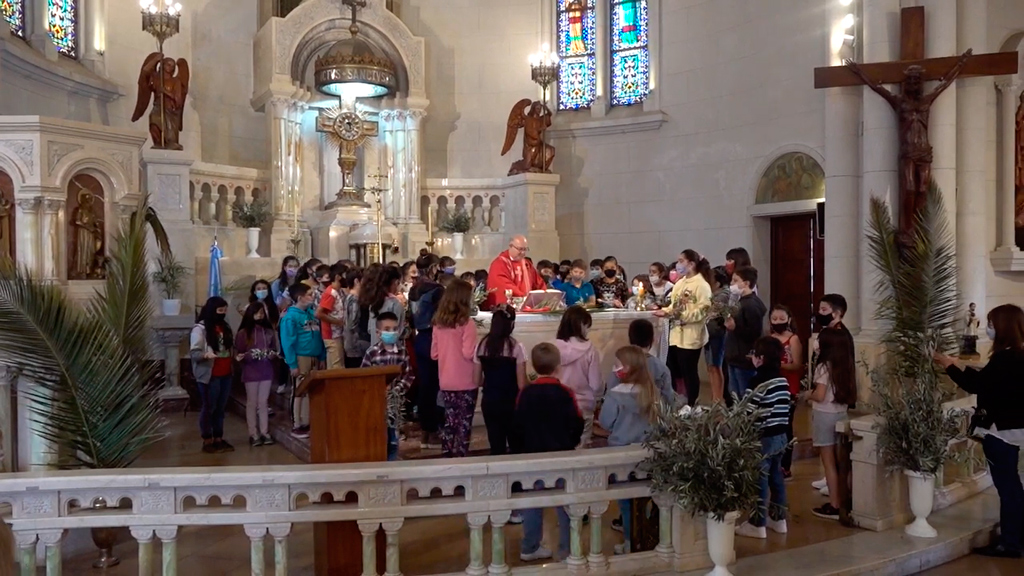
354, 68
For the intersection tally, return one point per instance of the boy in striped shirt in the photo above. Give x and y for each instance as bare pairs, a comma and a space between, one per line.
773, 398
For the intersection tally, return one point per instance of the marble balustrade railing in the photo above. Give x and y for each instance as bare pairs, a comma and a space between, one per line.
270, 500
215, 189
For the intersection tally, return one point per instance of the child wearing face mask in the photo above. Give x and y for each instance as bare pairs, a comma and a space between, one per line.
580, 365
781, 324
447, 265
454, 347
391, 351
256, 348
611, 291
210, 351
660, 285
640, 281
331, 313
279, 289
595, 269
303, 348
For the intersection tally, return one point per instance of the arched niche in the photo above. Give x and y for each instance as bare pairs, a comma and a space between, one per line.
790, 177
8, 234
86, 228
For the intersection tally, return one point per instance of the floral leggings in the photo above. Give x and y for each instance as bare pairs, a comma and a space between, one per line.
459, 408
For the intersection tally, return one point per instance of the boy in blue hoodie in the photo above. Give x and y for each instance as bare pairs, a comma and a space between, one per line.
303, 348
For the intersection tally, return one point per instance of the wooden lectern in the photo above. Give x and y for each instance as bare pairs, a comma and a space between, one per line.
347, 420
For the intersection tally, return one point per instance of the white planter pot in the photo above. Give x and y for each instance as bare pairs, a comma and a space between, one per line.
458, 239
922, 496
171, 307
721, 543
252, 239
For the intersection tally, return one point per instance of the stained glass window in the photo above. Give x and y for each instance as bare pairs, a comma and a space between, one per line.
577, 36
62, 22
14, 13
631, 60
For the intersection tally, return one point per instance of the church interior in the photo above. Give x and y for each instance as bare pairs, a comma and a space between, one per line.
156, 154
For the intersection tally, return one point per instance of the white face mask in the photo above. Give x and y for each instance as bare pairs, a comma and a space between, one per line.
990, 332
735, 289
636, 290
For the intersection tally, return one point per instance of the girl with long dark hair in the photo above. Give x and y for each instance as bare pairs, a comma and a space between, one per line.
687, 312
580, 365
257, 348
279, 288
454, 346
380, 294
792, 368
501, 371
834, 388
260, 292
210, 351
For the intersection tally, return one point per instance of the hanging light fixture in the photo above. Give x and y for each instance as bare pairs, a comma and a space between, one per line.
354, 68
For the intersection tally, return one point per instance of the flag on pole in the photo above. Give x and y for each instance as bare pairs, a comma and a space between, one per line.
215, 256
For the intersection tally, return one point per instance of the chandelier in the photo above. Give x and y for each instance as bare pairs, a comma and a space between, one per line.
160, 19
354, 68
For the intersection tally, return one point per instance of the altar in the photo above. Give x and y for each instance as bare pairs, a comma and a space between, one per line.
609, 332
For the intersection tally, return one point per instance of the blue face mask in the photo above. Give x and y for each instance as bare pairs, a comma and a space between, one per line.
389, 338
261, 294
449, 270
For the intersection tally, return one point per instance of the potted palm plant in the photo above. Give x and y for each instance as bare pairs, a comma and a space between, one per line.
252, 216
170, 274
917, 306
457, 224
94, 382
709, 461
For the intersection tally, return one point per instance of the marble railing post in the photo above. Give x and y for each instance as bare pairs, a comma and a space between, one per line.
144, 536
52, 540
476, 544
280, 533
391, 550
576, 562
597, 559
50, 239
879, 498
256, 533
498, 566
28, 240
35, 453
665, 503
170, 331
26, 542
368, 528
1009, 88
8, 380
168, 536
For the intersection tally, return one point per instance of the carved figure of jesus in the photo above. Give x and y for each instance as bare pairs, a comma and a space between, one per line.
913, 107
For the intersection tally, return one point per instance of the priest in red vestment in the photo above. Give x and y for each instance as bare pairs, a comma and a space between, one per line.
511, 271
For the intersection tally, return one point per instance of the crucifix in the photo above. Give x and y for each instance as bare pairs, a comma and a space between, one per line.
347, 130
912, 105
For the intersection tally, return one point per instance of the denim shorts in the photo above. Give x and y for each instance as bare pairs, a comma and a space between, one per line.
714, 351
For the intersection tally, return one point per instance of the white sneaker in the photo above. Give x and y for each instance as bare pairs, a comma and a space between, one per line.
824, 491
282, 389
515, 519
621, 549
778, 526
750, 531
819, 484
541, 553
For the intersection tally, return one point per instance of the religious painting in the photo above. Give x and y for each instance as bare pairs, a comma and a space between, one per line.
62, 22
7, 247
631, 60
86, 230
792, 176
577, 36
14, 12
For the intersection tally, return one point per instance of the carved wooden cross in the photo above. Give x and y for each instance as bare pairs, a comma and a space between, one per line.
912, 53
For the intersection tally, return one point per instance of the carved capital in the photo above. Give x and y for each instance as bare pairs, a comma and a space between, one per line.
255, 531
477, 519
8, 374
578, 510
664, 501
25, 538
167, 533
52, 205
1010, 85
392, 526
279, 531
368, 527
598, 508
500, 518
143, 534
27, 204
51, 537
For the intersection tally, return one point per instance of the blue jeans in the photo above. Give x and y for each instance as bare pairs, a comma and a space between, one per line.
533, 530
772, 449
626, 510
739, 381
392, 444
214, 401
1002, 465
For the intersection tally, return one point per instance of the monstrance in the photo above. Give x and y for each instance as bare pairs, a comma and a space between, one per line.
346, 130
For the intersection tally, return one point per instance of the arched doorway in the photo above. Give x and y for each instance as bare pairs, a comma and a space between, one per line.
86, 229
7, 217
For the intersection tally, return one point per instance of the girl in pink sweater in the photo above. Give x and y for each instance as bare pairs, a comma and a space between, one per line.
454, 346
581, 365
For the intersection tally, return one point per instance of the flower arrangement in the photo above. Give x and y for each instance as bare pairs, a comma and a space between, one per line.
260, 354
252, 215
458, 222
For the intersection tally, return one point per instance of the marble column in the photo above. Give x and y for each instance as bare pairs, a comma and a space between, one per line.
842, 181
972, 243
399, 184
94, 34
603, 103
879, 145
387, 133
35, 453
1009, 89
38, 36
28, 241
411, 210
8, 379
277, 116
51, 234
940, 41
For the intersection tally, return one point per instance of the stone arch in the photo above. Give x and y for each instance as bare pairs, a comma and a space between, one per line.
789, 173
14, 167
115, 182
304, 32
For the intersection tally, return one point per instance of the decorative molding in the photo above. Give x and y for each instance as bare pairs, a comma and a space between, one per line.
24, 150
28, 204
55, 151
124, 160
647, 121
782, 208
65, 74
72, 130
1007, 260
168, 191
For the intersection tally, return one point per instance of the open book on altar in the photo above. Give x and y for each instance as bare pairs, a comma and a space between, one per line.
543, 301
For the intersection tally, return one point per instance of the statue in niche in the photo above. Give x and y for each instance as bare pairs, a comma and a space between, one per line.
165, 82
479, 225
6, 216
494, 218
537, 154
442, 214
87, 259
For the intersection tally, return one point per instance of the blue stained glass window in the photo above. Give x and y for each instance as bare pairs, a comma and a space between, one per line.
631, 60
577, 36
62, 22
14, 12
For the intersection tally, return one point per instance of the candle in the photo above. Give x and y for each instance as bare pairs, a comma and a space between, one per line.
430, 224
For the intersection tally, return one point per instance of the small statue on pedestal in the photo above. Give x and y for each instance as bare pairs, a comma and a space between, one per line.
969, 338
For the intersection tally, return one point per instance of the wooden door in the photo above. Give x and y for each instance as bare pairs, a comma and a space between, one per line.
798, 268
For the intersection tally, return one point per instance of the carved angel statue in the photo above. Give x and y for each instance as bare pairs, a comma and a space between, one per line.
537, 155
168, 90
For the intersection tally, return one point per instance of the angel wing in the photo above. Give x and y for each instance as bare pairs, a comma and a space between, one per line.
516, 120
182, 87
145, 90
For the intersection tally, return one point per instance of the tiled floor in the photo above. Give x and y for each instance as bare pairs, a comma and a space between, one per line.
225, 550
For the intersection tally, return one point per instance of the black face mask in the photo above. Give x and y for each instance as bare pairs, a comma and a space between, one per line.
780, 328
823, 320
610, 273
219, 317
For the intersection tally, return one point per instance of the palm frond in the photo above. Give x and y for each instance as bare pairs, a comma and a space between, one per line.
150, 217
88, 389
